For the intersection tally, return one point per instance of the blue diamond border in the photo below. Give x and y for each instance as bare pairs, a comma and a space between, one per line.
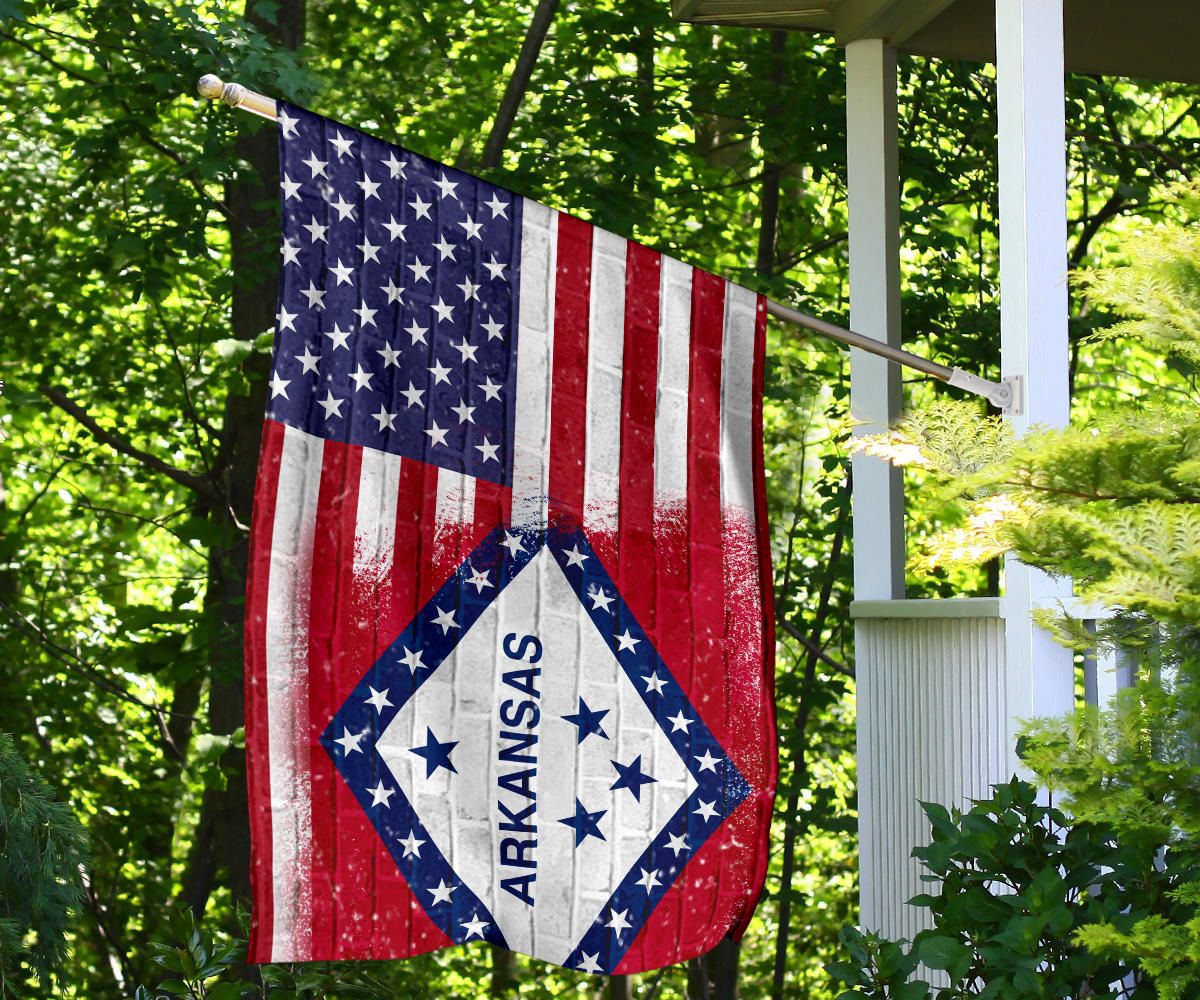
721, 783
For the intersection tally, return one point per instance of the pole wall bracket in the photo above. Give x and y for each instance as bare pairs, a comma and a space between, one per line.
1007, 395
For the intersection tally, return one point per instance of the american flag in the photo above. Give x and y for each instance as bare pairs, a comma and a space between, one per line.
508, 657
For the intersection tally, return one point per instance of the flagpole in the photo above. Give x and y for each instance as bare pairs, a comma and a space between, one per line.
1005, 395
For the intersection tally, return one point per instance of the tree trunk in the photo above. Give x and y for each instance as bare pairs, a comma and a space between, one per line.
222, 843
505, 977
772, 173
620, 988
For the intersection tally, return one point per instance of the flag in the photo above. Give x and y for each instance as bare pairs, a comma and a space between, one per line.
508, 652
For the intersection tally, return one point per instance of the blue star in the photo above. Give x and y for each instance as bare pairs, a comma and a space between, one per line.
436, 754
585, 824
632, 776
587, 721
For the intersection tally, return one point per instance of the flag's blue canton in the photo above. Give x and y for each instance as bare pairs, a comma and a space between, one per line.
396, 324
352, 736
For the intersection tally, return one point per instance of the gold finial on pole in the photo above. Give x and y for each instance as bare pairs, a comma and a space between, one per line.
213, 88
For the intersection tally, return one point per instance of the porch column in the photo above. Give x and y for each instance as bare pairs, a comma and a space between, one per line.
1033, 312
875, 397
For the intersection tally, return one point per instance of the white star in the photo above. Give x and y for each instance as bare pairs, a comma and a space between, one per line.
349, 741
495, 331
395, 167
654, 683
316, 166
287, 123
379, 699
392, 291
421, 207
389, 355
331, 404
380, 795
466, 351
464, 412
369, 251
474, 926
411, 845
617, 921
446, 187
472, 228
445, 249
314, 295
490, 391
343, 144
600, 599
498, 207
369, 188
494, 268
279, 386
706, 810
413, 395
342, 272
385, 419
366, 317
677, 844
436, 435
626, 641
315, 230
512, 543
308, 360
478, 580
412, 659
439, 372
445, 620
286, 319
679, 722
574, 556
344, 209
360, 378
395, 229
416, 332
441, 893
291, 254
488, 451
590, 964
338, 336
649, 879
420, 271
469, 289
290, 188
708, 762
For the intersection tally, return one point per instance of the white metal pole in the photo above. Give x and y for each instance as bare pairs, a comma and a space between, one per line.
1033, 312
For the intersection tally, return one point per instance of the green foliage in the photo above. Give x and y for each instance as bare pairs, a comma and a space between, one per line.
1018, 884
42, 853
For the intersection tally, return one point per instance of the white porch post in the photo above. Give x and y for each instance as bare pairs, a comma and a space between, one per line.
1033, 311
873, 186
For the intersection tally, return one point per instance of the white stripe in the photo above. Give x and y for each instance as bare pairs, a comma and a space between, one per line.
606, 347
535, 349
671, 410
737, 399
455, 508
288, 590
375, 521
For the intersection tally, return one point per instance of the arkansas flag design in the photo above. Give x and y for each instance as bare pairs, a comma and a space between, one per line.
508, 652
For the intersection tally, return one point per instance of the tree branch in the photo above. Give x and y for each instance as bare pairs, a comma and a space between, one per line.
196, 484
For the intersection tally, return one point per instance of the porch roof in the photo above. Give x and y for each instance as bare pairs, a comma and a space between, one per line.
1154, 39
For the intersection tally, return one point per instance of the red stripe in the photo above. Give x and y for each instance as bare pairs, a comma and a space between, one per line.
258, 766
333, 561
763, 800
635, 504
493, 506
568, 403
